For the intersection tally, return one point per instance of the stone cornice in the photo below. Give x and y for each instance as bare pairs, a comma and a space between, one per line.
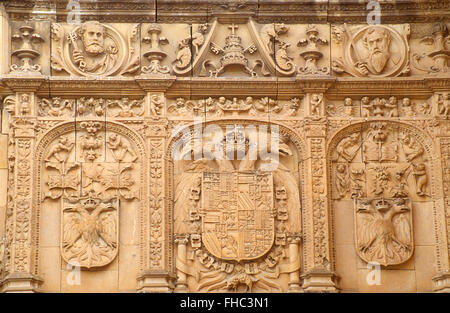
263, 11
237, 86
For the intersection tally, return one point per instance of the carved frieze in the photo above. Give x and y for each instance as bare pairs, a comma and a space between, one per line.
222, 107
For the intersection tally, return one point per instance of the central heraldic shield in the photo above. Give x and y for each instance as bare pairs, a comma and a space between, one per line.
238, 214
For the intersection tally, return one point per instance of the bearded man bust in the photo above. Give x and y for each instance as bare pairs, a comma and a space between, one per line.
377, 41
94, 58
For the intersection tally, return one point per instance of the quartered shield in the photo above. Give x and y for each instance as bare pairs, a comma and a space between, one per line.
238, 214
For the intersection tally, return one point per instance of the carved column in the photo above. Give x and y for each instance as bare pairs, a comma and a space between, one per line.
20, 274
294, 256
181, 240
158, 274
318, 275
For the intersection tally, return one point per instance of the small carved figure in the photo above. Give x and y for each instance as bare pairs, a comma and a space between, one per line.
64, 145
156, 105
294, 106
316, 101
378, 106
25, 105
408, 108
342, 182
400, 189
444, 105
420, 174
366, 106
348, 106
119, 148
346, 144
411, 148
392, 106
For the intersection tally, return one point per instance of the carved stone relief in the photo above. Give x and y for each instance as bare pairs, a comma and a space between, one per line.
218, 107
237, 228
87, 179
371, 51
95, 49
383, 167
436, 59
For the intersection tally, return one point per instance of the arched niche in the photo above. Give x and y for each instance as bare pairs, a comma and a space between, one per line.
208, 198
384, 204
90, 181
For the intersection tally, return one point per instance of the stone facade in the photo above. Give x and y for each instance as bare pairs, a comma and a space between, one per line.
116, 116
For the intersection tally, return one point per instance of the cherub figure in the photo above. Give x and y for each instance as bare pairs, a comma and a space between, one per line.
408, 107
366, 106
315, 102
392, 106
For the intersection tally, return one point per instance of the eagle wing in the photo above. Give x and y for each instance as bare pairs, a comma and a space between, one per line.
72, 231
106, 226
402, 229
367, 231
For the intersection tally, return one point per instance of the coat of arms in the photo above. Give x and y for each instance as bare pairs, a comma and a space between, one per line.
238, 222
383, 230
90, 231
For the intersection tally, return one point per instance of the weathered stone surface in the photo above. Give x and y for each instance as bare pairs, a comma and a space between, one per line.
229, 147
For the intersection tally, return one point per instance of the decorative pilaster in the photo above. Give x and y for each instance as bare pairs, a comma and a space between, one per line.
20, 263
318, 275
157, 275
